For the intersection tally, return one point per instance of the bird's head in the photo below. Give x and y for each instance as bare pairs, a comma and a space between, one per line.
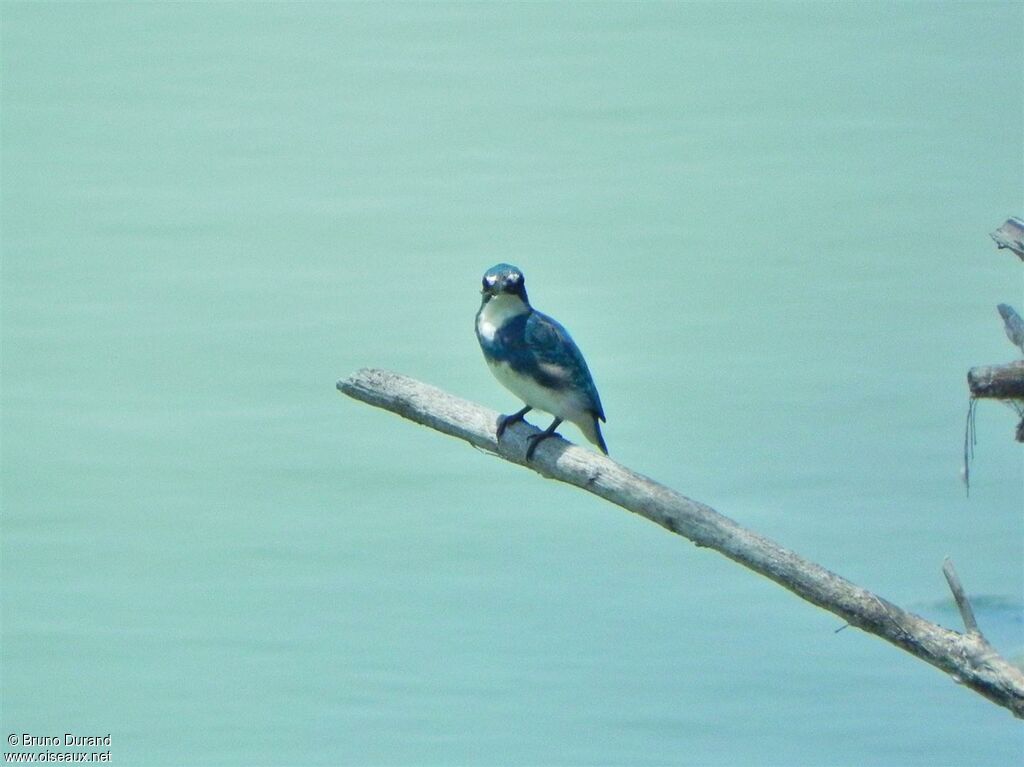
504, 280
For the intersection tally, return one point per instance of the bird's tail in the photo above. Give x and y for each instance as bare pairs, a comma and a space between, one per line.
591, 429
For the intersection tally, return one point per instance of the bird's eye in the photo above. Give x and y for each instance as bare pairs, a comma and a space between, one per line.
486, 284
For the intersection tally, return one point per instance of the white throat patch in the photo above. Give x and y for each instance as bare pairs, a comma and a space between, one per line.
497, 312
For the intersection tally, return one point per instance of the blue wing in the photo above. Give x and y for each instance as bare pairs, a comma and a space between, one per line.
555, 353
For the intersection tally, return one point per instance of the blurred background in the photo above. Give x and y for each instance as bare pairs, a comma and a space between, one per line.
766, 225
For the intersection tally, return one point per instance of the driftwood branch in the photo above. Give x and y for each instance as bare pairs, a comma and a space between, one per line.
997, 381
966, 657
1000, 382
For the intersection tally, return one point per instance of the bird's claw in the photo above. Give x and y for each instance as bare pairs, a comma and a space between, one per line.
533, 441
507, 420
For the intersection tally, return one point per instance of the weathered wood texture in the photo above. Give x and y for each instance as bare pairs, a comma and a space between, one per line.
997, 381
967, 657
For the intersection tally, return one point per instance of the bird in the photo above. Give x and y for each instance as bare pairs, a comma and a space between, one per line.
535, 358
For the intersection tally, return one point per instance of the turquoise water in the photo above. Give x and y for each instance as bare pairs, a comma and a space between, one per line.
766, 226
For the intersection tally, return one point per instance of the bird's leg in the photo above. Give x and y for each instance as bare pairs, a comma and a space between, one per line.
536, 439
507, 420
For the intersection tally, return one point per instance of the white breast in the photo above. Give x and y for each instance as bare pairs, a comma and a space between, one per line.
497, 312
564, 403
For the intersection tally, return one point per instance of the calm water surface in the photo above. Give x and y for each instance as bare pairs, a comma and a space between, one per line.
764, 224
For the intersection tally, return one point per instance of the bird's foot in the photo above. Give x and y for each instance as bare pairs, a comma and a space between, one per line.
535, 439
507, 420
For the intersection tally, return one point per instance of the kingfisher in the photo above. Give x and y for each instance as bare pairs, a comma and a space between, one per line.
535, 358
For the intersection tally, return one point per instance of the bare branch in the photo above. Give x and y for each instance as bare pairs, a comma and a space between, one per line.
997, 381
978, 667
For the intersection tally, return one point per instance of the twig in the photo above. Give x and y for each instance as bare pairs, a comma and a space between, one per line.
970, 441
986, 673
962, 603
